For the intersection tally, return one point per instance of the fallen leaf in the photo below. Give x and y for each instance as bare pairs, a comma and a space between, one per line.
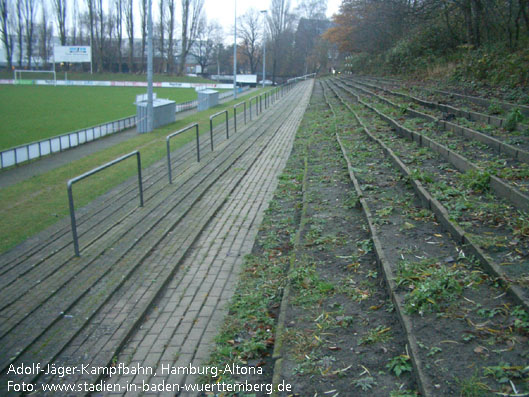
479, 350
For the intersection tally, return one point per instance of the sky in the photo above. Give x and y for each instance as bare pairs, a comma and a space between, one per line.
223, 10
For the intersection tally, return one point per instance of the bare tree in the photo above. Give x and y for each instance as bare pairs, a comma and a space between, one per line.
249, 32
191, 12
279, 23
99, 23
45, 36
91, 15
6, 30
129, 22
75, 24
59, 7
143, 13
224, 58
162, 36
109, 47
20, 30
118, 4
312, 9
307, 37
171, 25
29, 12
208, 36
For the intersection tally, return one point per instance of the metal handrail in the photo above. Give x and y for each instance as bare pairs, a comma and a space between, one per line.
235, 114
211, 125
168, 138
92, 172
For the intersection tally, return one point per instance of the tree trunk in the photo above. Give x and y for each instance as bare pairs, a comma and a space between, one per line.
467, 11
29, 6
6, 33
185, 21
525, 13
119, 33
20, 32
143, 33
129, 19
162, 67
90, 4
477, 14
170, 44
101, 40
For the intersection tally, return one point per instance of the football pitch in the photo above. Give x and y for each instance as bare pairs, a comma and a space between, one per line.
32, 113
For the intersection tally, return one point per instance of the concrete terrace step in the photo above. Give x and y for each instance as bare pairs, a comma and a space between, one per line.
67, 310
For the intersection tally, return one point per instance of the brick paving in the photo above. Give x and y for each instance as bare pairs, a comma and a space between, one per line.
150, 288
181, 328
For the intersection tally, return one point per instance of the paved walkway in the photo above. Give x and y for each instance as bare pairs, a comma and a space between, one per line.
151, 285
180, 330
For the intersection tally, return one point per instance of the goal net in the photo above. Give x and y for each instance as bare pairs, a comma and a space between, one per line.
35, 75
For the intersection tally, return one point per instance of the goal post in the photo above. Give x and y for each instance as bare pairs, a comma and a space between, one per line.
18, 74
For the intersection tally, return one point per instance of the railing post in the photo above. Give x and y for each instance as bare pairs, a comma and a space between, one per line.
72, 219
211, 132
168, 139
198, 144
235, 118
87, 174
211, 125
140, 184
227, 128
169, 172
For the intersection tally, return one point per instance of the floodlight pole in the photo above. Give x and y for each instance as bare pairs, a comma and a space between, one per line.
235, 54
265, 12
150, 121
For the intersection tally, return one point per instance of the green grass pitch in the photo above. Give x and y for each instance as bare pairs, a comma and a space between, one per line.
33, 113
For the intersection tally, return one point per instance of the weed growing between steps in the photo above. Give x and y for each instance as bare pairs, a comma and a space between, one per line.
462, 320
342, 335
